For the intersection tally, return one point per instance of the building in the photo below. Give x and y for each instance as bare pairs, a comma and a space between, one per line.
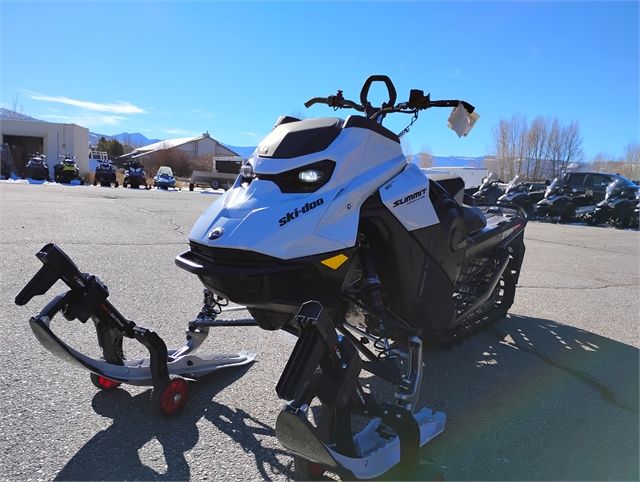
25, 135
203, 146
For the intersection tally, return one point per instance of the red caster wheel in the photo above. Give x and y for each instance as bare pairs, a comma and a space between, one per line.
173, 398
103, 383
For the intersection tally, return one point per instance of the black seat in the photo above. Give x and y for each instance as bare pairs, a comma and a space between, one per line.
452, 184
474, 219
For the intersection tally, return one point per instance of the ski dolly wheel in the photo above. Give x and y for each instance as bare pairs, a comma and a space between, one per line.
87, 299
173, 398
103, 383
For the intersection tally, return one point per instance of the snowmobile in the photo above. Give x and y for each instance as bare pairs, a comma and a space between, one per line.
164, 178
105, 174
37, 168
360, 255
67, 171
135, 176
490, 190
573, 195
617, 208
524, 195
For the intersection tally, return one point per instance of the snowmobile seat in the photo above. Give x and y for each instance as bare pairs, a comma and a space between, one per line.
454, 185
474, 219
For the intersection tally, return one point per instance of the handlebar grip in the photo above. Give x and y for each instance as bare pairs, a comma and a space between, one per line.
316, 100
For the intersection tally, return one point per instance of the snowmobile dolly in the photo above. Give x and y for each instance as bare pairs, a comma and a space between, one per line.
165, 370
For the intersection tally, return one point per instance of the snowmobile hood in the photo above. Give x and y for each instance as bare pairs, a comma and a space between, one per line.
273, 212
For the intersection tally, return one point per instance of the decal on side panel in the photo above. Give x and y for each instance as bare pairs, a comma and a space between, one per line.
407, 197
291, 215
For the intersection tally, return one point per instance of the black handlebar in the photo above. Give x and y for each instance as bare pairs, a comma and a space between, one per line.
364, 93
417, 101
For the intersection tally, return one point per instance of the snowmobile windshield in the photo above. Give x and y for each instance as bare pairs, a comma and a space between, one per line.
491, 178
515, 184
553, 188
165, 171
617, 187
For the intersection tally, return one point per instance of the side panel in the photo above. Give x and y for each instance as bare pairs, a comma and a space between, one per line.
411, 267
407, 197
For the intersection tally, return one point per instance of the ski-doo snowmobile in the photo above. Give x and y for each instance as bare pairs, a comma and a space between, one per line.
330, 234
67, 171
490, 190
135, 176
617, 208
37, 168
522, 194
329, 210
164, 178
105, 174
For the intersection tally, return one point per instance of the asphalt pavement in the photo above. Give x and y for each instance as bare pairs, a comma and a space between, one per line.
550, 393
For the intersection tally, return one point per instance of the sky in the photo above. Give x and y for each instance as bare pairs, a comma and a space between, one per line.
174, 69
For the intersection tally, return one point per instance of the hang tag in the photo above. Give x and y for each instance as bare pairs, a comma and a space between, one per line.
461, 121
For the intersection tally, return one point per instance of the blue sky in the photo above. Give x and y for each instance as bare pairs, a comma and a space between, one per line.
172, 69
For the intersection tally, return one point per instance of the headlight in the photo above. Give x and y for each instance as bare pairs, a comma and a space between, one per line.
303, 179
311, 176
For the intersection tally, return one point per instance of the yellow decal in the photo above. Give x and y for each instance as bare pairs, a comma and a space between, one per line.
335, 262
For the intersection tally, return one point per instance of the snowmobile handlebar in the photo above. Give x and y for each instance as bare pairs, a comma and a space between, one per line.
336, 101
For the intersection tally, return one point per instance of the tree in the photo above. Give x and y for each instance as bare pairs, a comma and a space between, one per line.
112, 147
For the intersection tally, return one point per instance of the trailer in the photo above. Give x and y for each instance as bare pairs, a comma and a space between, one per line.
472, 176
225, 170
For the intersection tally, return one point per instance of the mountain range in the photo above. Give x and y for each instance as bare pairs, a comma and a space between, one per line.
134, 139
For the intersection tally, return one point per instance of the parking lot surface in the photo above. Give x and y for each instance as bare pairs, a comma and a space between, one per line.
550, 393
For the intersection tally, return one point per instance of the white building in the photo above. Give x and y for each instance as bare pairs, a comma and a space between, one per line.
26, 137
203, 146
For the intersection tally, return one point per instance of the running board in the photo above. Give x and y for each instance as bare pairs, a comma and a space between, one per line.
378, 450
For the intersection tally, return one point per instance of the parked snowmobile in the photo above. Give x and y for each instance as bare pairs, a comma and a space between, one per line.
135, 176
67, 171
618, 206
37, 168
164, 178
574, 195
490, 190
105, 174
523, 195
330, 234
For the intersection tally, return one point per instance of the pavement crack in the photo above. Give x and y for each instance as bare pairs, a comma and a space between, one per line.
605, 393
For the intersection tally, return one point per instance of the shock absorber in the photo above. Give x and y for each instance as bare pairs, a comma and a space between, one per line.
373, 291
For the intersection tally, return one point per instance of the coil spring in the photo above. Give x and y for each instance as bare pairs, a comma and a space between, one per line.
213, 304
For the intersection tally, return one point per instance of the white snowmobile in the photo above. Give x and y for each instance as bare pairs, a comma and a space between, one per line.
330, 234
329, 210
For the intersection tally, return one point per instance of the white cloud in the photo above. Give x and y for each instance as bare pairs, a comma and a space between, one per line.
88, 120
118, 107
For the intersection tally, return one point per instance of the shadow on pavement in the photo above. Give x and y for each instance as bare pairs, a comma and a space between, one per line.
112, 454
531, 399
